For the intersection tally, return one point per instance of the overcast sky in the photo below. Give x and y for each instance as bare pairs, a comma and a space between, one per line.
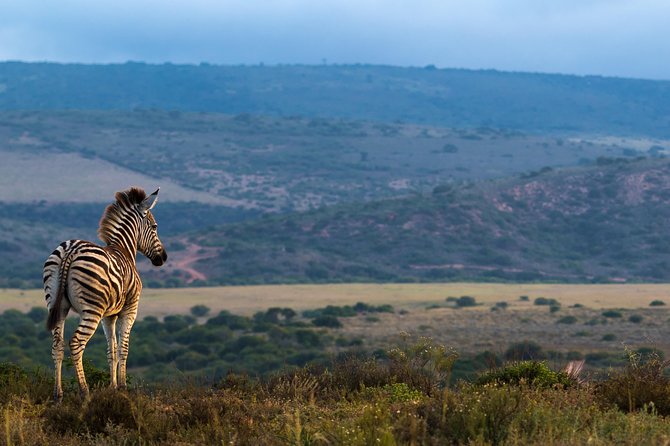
629, 38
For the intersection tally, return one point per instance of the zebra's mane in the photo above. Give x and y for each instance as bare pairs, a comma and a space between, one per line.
116, 212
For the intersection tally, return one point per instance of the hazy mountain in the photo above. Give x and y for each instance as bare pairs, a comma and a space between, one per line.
444, 97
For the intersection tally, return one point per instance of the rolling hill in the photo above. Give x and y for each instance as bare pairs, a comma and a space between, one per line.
60, 168
604, 223
530, 102
266, 163
330, 149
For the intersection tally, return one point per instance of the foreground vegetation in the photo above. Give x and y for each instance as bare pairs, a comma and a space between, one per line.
404, 399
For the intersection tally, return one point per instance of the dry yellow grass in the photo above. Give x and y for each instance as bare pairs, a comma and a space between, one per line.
249, 299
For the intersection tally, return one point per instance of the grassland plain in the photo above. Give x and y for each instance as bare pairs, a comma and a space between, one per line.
578, 327
246, 300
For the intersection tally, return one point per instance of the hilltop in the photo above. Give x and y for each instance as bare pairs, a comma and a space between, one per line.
601, 223
531, 102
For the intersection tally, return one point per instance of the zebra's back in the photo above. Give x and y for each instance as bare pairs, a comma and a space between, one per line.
92, 278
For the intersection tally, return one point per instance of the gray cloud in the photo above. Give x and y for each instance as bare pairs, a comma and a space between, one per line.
608, 37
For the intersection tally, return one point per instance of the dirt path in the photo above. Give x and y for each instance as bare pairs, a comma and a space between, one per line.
184, 260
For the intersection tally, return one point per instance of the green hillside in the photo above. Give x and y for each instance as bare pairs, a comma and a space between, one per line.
603, 223
444, 97
60, 168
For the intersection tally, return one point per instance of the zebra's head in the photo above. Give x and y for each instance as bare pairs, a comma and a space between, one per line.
148, 242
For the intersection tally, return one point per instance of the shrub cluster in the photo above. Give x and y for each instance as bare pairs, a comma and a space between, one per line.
355, 400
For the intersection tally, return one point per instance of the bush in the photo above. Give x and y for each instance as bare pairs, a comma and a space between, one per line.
229, 320
656, 303
422, 364
109, 406
534, 373
545, 301
567, 320
466, 301
37, 314
608, 337
635, 318
327, 321
524, 298
641, 385
200, 310
13, 381
612, 314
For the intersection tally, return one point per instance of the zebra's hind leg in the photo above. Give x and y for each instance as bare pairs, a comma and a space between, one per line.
126, 322
109, 325
57, 349
81, 336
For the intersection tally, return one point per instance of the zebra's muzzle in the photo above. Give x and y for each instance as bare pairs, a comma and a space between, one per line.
159, 259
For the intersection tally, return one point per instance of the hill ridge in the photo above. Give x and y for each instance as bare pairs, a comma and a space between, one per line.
531, 102
574, 225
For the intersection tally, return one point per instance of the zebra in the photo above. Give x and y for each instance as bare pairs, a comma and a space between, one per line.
101, 283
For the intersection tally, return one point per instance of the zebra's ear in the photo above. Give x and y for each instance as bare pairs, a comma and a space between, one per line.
149, 202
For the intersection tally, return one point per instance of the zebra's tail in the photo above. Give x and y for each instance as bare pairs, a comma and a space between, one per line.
54, 311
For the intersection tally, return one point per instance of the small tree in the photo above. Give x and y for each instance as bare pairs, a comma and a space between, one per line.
199, 310
466, 301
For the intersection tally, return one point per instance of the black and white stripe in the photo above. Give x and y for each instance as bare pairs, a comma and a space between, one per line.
101, 283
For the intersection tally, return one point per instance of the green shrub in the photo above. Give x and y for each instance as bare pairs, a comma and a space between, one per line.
327, 321
534, 373
466, 301
567, 320
656, 303
635, 318
422, 363
37, 314
200, 310
232, 321
13, 381
612, 314
545, 301
608, 337
524, 298
109, 406
642, 384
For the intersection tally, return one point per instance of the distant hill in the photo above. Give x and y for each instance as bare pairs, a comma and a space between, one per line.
264, 163
444, 97
606, 223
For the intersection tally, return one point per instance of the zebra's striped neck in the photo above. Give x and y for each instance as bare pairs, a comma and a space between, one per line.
125, 238
119, 225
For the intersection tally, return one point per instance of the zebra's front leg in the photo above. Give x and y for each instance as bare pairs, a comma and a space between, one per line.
78, 343
126, 322
109, 325
57, 349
